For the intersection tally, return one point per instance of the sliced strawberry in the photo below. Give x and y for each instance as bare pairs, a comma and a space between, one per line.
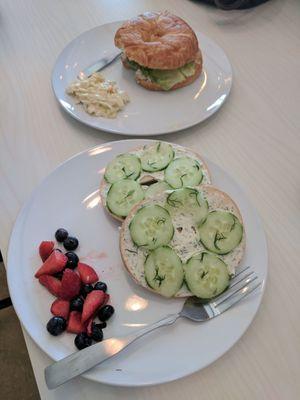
89, 326
45, 249
56, 262
106, 299
74, 323
70, 284
51, 283
93, 301
60, 308
87, 273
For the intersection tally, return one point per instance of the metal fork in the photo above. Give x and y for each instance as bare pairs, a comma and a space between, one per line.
244, 282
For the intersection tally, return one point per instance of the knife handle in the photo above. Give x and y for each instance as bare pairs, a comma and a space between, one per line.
77, 363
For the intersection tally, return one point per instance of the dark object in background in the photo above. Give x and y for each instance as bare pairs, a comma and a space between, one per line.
234, 4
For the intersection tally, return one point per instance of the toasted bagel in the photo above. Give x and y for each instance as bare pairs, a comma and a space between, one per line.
133, 258
158, 40
179, 151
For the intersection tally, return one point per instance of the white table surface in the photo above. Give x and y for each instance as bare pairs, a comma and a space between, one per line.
255, 137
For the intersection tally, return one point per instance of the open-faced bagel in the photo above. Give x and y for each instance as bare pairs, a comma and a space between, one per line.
178, 151
158, 40
185, 240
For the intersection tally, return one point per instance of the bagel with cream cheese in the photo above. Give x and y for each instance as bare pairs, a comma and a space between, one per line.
149, 179
219, 235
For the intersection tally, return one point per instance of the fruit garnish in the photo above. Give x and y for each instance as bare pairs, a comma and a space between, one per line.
56, 325
51, 283
70, 243
60, 308
45, 249
93, 302
56, 262
70, 285
87, 273
74, 323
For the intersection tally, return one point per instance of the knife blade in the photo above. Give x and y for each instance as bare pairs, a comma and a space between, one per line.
98, 65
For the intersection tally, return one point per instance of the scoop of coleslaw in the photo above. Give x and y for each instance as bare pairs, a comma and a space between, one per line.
99, 97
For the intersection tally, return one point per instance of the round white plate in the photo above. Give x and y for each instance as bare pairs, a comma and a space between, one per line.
148, 113
69, 198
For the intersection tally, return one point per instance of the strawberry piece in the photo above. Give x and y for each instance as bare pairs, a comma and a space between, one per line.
93, 301
87, 274
45, 249
60, 308
74, 323
106, 299
70, 284
56, 262
51, 283
89, 326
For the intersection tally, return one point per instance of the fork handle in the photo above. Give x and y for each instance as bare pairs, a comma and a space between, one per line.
77, 363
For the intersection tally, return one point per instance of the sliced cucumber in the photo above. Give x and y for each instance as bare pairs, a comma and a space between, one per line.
206, 275
151, 227
221, 232
163, 271
188, 201
124, 166
157, 188
123, 195
157, 156
183, 172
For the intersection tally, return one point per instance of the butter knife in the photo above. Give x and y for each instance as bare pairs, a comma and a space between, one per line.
77, 363
98, 65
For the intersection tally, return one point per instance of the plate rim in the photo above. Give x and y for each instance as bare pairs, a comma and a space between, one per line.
86, 375
116, 131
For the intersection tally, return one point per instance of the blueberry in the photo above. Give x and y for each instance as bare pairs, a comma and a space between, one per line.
97, 333
100, 286
82, 340
76, 304
61, 234
59, 275
70, 243
56, 325
86, 289
105, 312
72, 260
102, 325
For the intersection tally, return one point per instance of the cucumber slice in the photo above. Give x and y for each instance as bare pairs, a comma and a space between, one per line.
124, 166
206, 275
157, 188
188, 201
221, 232
157, 156
123, 195
183, 172
151, 227
163, 271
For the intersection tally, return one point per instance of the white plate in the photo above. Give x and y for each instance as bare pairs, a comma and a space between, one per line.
69, 198
148, 113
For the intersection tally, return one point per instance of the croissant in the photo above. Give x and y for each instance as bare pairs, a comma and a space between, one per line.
162, 48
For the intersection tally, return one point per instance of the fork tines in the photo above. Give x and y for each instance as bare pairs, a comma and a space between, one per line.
241, 285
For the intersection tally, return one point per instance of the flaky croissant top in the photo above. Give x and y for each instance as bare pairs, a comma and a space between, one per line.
158, 40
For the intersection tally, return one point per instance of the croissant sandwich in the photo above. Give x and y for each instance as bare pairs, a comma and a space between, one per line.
162, 49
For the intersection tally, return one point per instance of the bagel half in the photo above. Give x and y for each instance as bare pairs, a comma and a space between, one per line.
184, 242
162, 48
179, 151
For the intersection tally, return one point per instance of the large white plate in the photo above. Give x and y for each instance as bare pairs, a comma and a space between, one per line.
69, 198
148, 113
